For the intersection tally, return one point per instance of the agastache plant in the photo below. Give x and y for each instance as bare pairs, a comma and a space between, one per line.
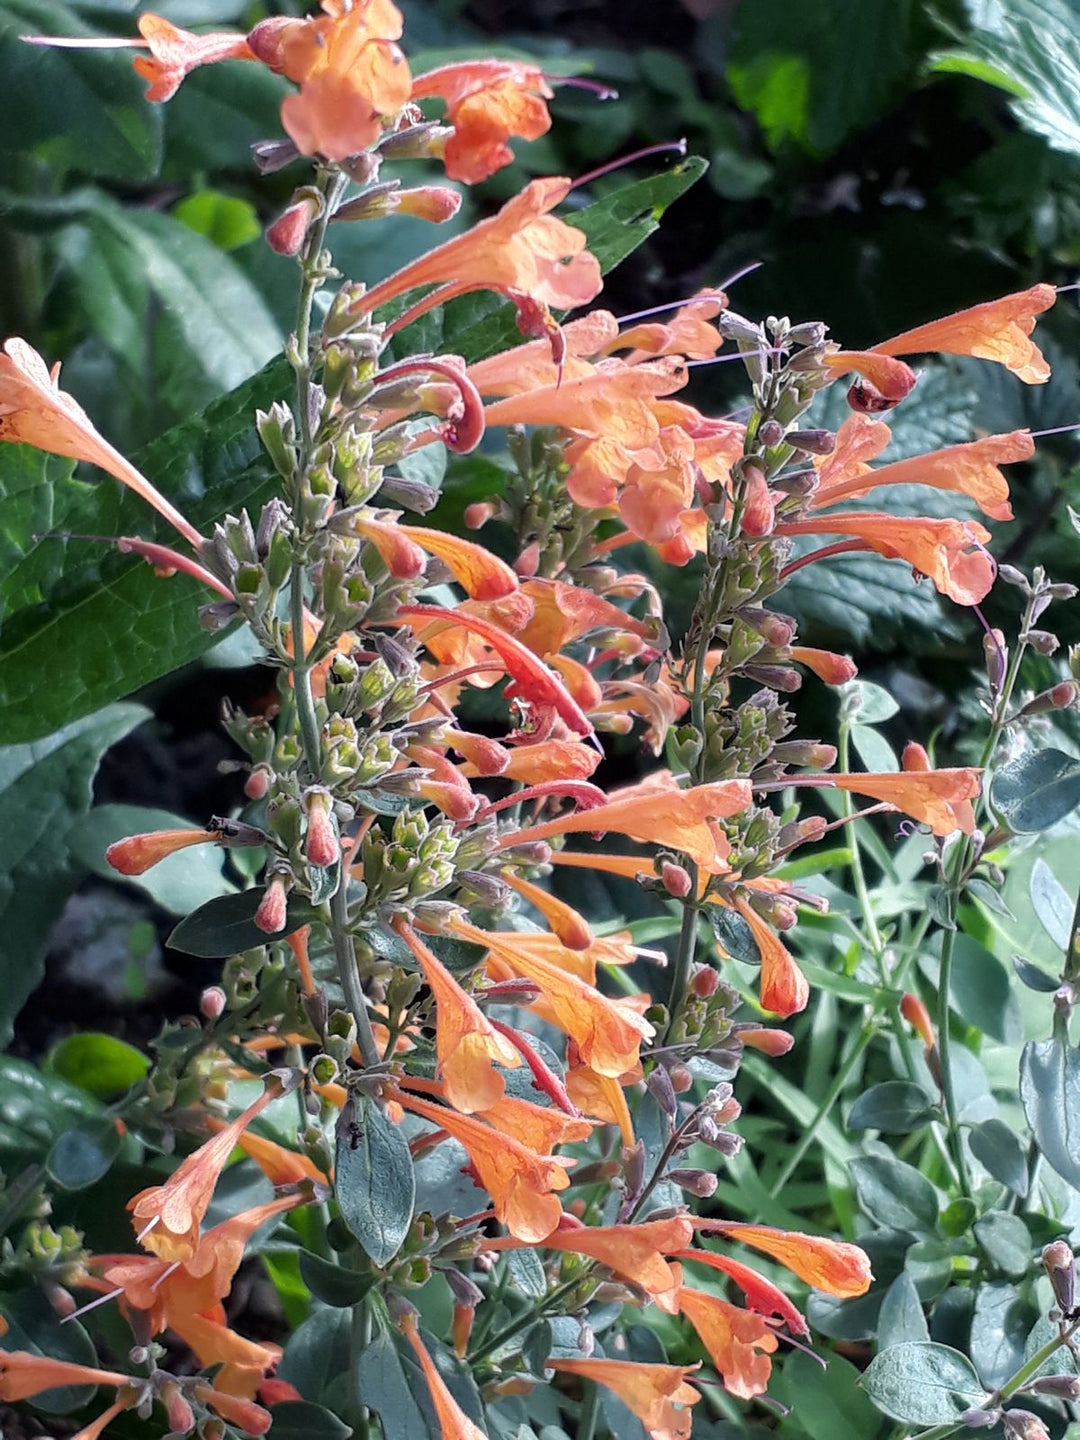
404, 978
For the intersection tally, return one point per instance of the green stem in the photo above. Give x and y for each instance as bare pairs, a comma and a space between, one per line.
528, 1317
829, 1099
589, 1415
684, 954
948, 1088
345, 954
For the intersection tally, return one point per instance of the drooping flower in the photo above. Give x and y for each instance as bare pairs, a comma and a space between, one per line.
761, 1295
487, 101
168, 1216
466, 1043
784, 990
519, 1181
23, 1374
454, 1424
833, 669
244, 1363
35, 411
657, 1394
601, 1096
135, 854
739, 1342
568, 924
833, 1266
174, 53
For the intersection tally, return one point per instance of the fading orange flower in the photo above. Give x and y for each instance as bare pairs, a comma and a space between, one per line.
174, 53
657, 1394
762, 1295
833, 1266
995, 330
519, 1181
454, 1424
739, 1343
656, 811
487, 101
938, 798
467, 1045
168, 1216
784, 990
35, 411
971, 469
607, 1032
636, 1252
951, 552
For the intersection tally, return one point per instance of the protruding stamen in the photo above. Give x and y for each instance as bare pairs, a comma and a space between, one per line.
92, 1305
579, 82
669, 146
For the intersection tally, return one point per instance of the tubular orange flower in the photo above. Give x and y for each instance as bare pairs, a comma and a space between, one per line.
280, 1166
784, 990
970, 469
950, 552
35, 411
518, 1180
466, 1043
174, 53
762, 1295
539, 1127
168, 1216
97, 1427
607, 1033
883, 383
739, 1343
938, 798
833, 669
522, 250
602, 1097
656, 811
995, 330
834, 1266
657, 1394
613, 401
453, 1422
487, 101
250, 1418
563, 613
918, 1017
480, 574
571, 927
243, 1362
859, 440
23, 1374
135, 854
636, 1252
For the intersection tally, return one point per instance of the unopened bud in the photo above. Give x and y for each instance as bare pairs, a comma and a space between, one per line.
417, 142
273, 155
217, 615
180, 1415
660, 1087
770, 433
1012, 576
675, 879
61, 1300
530, 852
704, 982
1043, 642
1023, 1425
997, 658
775, 629
1060, 1263
257, 783
814, 442
767, 1041
272, 913
528, 562
1066, 1387
479, 513
977, 1419
287, 234
323, 848
1061, 696
409, 494
808, 332
599, 1172
702, 1183
212, 1002
918, 1017
681, 1079
633, 1166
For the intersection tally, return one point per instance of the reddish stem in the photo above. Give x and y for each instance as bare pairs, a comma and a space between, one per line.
544, 1077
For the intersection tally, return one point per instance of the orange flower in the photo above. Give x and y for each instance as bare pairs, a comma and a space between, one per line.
466, 1043
834, 1266
487, 101
168, 1216
970, 469
522, 250
174, 53
938, 798
608, 1033
614, 401
571, 927
23, 1375
950, 552
35, 411
604, 950
135, 854
858, 441
601, 1096
918, 1017
784, 990
243, 1362
883, 382
656, 811
562, 613
453, 1422
280, 1166
98, 1427
538, 1127
739, 1343
636, 1252
762, 1295
657, 1394
251, 1419
518, 1180
995, 330
480, 574
833, 669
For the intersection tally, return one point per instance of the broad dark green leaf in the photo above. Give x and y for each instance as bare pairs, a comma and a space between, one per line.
301, 1420
997, 1147
35, 1109
317, 1353
734, 935
526, 1273
82, 1155
1036, 790
102, 1064
1033, 977
920, 1383
1050, 1090
980, 991
180, 883
102, 623
895, 1194
828, 1399
1051, 903
873, 749
35, 1326
44, 789
1006, 1241
331, 1283
901, 1319
374, 1184
226, 926
895, 1106
999, 1326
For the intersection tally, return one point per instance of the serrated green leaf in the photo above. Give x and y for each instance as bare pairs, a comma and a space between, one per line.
1036, 790
920, 1383
374, 1183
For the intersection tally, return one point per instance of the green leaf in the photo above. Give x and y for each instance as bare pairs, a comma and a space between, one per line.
82, 1155
374, 1183
980, 991
999, 1326
814, 74
901, 1319
828, 1400
865, 702
1006, 1241
99, 622
226, 926
1033, 977
79, 110
301, 1420
99, 1063
35, 1109
317, 1353
44, 789
331, 1283
526, 1273
895, 1106
733, 935
35, 1326
1051, 904
224, 220
895, 1194
1050, 1091
987, 895
920, 1383
180, 883
997, 1148
873, 749
1036, 790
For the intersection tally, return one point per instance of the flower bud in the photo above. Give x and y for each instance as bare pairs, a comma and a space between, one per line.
808, 332
528, 562
660, 1087
323, 848
997, 658
272, 913
704, 982
217, 615
702, 1183
212, 1002
1043, 642
1065, 1387
814, 442
633, 1167
416, 142
1023, 1425
1061, 696
1060, 1263
976, 1419
770, 433
180, 1415
767, 1041
479, 513
918, 1017
676, 880
273, 155
775, 629
681, 1079
287, 234
257, 783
